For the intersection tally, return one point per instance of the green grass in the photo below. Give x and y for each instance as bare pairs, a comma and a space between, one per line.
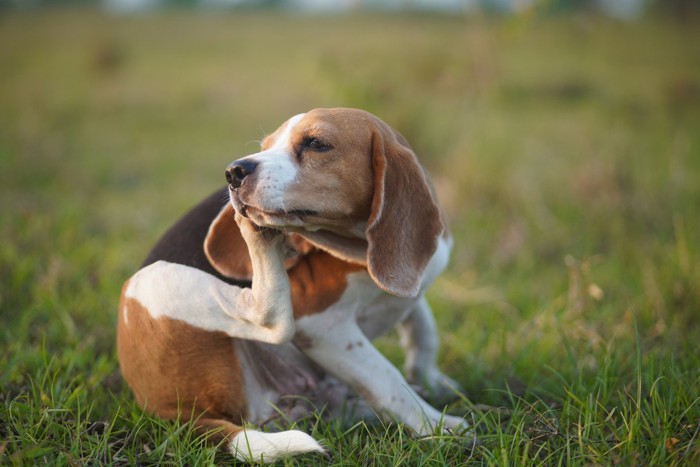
566, 152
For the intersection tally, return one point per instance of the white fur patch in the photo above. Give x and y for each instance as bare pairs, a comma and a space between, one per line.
438, 262
282, 143
276, 170
201, 300
257, 446
276, 165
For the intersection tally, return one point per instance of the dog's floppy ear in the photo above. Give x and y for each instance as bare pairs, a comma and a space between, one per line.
228, 253
404, 224
225, 248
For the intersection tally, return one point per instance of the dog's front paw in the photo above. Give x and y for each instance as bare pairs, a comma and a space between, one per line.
450, 428
255, 234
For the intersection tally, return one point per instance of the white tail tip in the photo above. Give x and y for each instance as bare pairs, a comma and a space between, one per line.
257, 446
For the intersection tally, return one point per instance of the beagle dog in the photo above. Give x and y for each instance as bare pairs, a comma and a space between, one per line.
264, 299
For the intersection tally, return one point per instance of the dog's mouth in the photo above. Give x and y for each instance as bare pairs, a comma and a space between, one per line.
268, 217
301, 213
239, 206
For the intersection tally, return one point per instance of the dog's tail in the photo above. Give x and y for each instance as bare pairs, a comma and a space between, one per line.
249, 445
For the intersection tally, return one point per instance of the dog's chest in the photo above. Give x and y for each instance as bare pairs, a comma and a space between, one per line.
375, 311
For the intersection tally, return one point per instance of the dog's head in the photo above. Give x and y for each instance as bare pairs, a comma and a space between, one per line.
349, 183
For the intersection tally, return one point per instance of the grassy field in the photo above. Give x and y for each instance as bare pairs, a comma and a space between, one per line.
566, 151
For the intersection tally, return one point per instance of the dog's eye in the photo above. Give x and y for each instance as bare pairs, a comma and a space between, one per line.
317, 144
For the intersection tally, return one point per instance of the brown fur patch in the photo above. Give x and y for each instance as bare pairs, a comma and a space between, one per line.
317, 281
178, 371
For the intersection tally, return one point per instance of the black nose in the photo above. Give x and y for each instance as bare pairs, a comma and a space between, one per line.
238, 170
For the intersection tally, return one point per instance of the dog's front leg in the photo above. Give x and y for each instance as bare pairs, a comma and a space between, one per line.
269, 299
419, 339
336, 342
263, 312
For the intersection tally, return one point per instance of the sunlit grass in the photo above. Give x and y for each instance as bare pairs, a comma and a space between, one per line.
565, 151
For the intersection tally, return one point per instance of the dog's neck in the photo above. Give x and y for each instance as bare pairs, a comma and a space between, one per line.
347, 245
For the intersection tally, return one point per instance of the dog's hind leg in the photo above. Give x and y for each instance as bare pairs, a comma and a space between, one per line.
263, 312
419, 338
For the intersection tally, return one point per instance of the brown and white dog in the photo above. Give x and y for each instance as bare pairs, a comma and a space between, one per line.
331, 236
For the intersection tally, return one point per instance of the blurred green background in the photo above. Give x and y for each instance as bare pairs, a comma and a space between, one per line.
565, 149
